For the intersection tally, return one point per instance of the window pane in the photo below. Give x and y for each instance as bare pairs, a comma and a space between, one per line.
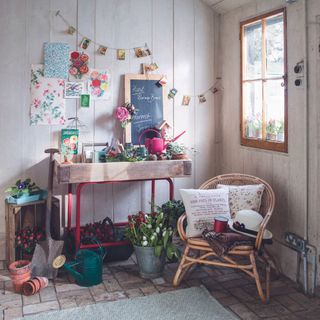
252, 51
274, 99
252, 103
274, 46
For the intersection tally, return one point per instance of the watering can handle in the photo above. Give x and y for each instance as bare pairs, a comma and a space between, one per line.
101, 249
145, 131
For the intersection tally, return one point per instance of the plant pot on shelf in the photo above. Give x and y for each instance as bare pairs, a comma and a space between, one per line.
179, 156
271, 136
150, 266
20, 272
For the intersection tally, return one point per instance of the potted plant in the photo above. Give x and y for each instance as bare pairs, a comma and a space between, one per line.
24, 191
20, 272
176, 151
280, 131
272, 130
172, 209
151, 237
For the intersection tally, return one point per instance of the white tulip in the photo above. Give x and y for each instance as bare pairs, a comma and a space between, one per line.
158, 230
144, 243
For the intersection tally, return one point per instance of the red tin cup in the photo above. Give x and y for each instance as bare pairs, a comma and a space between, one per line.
220, 224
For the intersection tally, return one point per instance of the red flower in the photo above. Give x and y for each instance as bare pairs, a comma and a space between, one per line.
84, 57
74, 55
96, 83
84, 69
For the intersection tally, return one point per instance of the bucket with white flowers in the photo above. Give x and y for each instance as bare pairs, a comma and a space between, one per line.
151, 237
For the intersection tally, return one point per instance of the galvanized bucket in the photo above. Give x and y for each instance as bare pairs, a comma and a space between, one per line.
150, 266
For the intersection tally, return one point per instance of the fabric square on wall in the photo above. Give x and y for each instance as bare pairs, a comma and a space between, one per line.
56, 60
202, 206
47, 102
244, 197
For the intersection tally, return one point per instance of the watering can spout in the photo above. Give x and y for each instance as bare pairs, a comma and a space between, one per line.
175, 138
69, 266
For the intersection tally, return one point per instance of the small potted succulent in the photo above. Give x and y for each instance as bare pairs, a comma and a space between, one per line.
24, 191
176, 151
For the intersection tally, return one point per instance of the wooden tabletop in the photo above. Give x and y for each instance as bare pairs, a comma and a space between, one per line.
121, 171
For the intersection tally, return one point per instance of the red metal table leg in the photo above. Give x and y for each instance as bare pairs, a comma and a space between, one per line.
78, 210
153, 192
171, 188
69, 205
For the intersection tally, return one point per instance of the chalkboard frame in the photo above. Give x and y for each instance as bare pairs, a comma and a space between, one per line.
127, 85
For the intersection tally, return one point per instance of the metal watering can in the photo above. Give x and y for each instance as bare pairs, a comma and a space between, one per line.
87, 267
156, 144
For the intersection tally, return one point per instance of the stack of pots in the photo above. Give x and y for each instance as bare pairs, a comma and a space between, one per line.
32, 286
20, 272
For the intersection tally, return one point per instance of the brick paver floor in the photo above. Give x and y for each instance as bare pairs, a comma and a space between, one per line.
233, 289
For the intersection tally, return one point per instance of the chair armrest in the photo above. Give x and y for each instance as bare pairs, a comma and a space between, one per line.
181, 231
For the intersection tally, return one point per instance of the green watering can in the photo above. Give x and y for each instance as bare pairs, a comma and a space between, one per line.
87, 268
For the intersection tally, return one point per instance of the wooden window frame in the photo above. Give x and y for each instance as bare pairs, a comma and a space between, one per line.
263, 143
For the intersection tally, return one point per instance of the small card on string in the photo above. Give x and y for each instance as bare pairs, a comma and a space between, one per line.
71, 30
202, 98
85, 100
85, 42
121, 54
102, 50
139, 52
186, 100
163, 81
172, 93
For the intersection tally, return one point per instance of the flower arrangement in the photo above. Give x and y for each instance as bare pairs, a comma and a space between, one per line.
152, 230
176, 150
26, 187
27, 238
125, 113
79, 64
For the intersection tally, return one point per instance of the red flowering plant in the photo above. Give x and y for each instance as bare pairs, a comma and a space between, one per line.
27, 238
79, 64
125, 113
152, 230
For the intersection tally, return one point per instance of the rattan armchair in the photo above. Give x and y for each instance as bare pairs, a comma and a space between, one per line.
205, 252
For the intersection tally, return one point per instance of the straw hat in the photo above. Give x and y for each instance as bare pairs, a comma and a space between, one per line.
248, 222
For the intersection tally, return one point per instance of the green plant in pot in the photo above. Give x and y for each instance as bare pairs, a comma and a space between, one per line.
176, 151
172, 209
151, 237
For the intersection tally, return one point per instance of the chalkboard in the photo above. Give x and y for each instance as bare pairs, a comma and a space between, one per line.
149, 99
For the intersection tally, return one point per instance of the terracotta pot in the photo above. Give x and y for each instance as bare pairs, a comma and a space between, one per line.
32, 286
20, 272
179, 156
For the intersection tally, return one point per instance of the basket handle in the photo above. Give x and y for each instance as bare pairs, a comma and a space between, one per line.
145, 131
102, 250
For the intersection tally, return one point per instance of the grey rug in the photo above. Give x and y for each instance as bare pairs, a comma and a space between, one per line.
185, 304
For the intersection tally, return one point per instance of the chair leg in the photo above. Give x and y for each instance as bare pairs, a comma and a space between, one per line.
182, 269
268, 268
257, 278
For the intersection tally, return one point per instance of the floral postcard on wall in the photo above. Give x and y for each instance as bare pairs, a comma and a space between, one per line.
56, 60
73, 89
99, 84
47, 102
78, 68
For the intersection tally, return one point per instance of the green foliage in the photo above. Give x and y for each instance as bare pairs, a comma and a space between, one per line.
26, 187
175, 148
172, 211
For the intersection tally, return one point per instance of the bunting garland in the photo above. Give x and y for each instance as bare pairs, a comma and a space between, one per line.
141, 51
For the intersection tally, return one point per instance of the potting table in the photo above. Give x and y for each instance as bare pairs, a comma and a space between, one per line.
84, 174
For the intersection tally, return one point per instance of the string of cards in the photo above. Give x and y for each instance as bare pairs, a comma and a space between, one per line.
140, 52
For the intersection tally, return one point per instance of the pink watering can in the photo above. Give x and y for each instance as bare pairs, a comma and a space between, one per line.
157, 144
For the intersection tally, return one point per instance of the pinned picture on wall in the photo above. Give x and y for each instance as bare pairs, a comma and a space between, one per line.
202, 98
99, 84
73, 89
139, 52
172, 93
84, 44
121, 54
186, 100
71, 30
56, 60
47, 102
78, 67
85, 100
102, 50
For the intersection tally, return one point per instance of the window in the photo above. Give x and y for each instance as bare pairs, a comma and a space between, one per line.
264, 117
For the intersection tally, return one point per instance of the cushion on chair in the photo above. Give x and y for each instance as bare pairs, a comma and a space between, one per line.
244, 197
202, 206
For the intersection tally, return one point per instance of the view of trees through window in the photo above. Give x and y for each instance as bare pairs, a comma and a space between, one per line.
264, 82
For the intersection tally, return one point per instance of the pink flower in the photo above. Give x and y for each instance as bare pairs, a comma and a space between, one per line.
45, 92
94, 74
96, 91
122, 114
62, 120
103, 77
36, 103
77, 63
37, 86
73, 71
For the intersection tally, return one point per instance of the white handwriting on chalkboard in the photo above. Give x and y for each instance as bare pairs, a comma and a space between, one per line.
142, 118
140, 95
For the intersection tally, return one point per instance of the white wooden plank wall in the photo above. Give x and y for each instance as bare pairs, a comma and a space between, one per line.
180, 34
285, 172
